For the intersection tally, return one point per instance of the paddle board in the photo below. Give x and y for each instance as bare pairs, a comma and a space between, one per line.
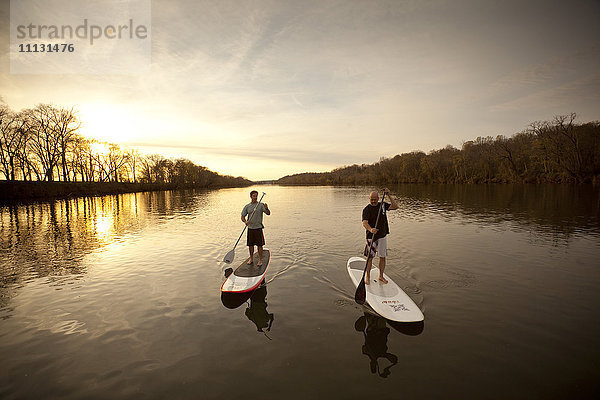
387, 300
246, 278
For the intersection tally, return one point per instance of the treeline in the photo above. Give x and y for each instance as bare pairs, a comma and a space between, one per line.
557, 151
44, 144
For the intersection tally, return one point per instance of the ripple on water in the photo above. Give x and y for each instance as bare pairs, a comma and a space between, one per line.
344, 302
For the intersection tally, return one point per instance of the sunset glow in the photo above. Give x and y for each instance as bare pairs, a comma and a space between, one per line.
263, 89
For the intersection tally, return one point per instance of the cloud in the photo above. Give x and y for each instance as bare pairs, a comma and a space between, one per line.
290, 84
289, 154
573, 95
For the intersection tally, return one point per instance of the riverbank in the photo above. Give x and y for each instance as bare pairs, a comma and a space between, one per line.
22, 190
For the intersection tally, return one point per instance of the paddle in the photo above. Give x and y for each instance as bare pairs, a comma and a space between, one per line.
361, 291
230, 256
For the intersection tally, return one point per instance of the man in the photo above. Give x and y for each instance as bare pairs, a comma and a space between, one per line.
379, 242
255, 226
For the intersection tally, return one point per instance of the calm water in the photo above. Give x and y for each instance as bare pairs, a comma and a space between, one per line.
119, 297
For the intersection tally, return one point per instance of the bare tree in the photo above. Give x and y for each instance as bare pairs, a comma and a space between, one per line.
13, 136
6, 142
117, 161
44, 141
78, 160
65, 125
150, 168
134, 162
566, 130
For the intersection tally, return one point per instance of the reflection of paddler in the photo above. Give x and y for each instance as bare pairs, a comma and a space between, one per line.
375, 332
257, 311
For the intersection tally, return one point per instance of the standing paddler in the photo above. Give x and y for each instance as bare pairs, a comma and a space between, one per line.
369, 218
255, 226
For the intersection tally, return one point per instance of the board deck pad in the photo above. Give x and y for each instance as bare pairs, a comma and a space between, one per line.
246, 278
253, 269
387, 300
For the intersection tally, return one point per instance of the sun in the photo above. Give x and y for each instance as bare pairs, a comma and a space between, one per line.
108, 123
101, 148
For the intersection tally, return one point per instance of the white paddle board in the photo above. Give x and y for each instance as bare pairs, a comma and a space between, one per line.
387, 300
246, 277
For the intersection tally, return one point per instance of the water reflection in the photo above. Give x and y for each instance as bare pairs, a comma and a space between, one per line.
257, 307
257, 310
50, 239
233, 300
375, 332
556, 209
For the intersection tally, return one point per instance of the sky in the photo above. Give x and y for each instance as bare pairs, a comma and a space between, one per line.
263, 89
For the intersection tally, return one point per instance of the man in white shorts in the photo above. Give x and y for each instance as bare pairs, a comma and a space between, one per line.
379, 244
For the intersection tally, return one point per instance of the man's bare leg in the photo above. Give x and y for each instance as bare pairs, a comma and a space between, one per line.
251, 251
368, 274
381, 268
260, 254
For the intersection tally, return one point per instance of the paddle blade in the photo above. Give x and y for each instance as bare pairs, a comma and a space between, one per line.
361, 293
228, 272
229, 257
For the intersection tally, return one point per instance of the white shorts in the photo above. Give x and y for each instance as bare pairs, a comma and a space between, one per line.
380, 247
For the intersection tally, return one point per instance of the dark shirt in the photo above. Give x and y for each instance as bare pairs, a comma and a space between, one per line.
370, 214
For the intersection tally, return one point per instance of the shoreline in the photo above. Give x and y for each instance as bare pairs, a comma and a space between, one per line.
15, 191
35, 190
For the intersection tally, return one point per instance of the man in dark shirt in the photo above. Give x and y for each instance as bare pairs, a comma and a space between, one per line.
379, 246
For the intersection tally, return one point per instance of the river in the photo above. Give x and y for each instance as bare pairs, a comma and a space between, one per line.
119, 296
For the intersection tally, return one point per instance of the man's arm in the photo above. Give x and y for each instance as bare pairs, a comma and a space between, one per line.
393, 203
244, 213
368, 227
365, 221
266, 208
